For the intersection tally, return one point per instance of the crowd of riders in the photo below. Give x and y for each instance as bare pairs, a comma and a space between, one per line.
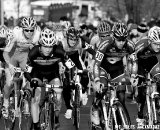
42, 50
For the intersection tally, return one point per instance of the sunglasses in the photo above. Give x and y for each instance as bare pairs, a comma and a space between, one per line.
27, 30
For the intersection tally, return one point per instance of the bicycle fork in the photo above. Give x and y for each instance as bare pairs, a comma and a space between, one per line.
106, 119
154, 95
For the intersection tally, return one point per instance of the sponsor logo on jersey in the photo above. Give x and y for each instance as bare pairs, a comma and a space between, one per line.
46, 62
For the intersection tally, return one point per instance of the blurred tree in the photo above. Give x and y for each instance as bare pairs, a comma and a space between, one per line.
136, 9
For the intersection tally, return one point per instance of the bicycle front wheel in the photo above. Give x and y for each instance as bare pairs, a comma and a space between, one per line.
122, 117
51, 117
76, 108
42, 119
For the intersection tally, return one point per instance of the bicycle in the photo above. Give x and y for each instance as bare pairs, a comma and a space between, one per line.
2, 83
76, 93
76, 100
16, 104
113, 115
152, 95
47, 110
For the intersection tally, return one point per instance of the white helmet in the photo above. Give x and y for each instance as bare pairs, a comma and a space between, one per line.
28, 23
3, 31
48, 38
154, 34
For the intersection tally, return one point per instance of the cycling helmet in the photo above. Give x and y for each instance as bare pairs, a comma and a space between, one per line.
28, 23
154, 34
103, 27
48, 38
66, 24
3, 31
120, 31
72, 34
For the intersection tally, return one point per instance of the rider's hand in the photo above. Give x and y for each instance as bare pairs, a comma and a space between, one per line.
97, 86
34, 83
11, 69
62, 69
134, 80
133, 57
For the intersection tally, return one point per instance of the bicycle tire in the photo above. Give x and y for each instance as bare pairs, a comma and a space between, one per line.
110, 123
42, 119
51, 117
26, 119
148, 119
91, 124
122, 115
76, 108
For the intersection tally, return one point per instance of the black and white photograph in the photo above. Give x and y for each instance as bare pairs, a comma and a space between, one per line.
79, 64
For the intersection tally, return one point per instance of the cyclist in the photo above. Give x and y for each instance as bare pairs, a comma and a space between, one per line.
103, 30
73, 45
147, 50
45, 63
106, 58
16, 52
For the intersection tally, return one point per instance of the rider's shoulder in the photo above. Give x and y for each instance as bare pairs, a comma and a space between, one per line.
105, 42
142, 42
34, 51
17, 28
130, 44
17, 31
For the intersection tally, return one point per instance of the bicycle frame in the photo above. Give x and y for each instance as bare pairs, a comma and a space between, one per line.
150, 99
47, 122
109, 108
77, 99
15, 110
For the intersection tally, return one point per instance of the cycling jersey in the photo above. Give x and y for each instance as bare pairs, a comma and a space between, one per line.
74, 52
147, 57
20, 42
44, 66
110, 58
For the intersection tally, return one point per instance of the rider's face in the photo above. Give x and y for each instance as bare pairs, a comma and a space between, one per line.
119, 43
28, 33
46, 50
155, 47
103, 36
72, 43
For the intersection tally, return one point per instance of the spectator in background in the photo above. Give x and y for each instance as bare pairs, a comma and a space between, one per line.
152, 22
19, 21
130, 22
142, 31
64, 21
41, 24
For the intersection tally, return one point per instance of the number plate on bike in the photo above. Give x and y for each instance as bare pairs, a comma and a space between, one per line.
69, 63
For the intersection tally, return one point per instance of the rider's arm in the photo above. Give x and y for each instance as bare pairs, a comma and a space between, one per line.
133, 58
75, 58
7, 49
85, 38
30, 62
98, 59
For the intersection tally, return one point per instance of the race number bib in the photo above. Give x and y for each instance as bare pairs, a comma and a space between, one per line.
69, 63
99, 56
